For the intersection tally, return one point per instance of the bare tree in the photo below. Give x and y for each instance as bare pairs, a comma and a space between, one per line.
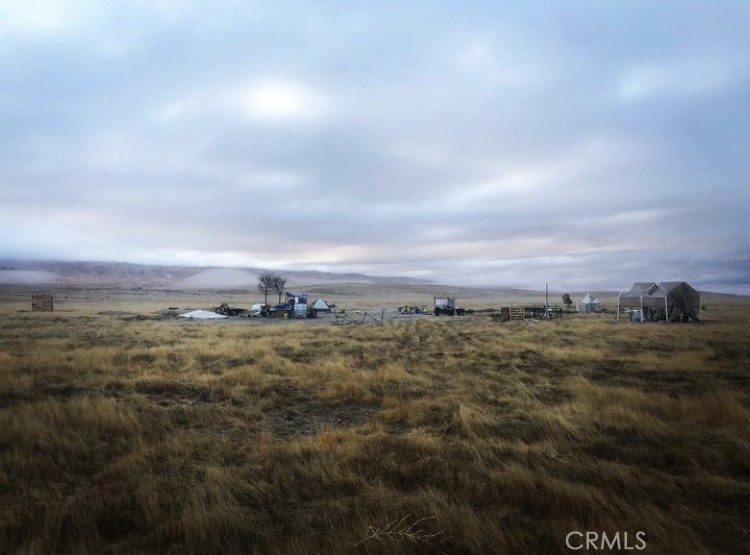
266, 283
278, 285
567, 300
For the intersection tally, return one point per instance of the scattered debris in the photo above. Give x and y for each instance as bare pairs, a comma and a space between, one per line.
409, 309
227, 310
259, 309
508, 313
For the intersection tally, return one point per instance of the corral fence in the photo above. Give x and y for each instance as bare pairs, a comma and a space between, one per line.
361, 317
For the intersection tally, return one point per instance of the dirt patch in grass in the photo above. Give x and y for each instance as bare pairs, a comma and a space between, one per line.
218, 365
520, 428
722, 350
669, 381
168, 393
305, 414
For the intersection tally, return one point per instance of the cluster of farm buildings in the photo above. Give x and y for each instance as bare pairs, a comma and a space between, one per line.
672, 301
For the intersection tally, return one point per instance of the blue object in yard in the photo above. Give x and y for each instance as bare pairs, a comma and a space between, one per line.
301, 298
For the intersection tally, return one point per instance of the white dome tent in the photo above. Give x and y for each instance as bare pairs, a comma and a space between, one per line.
589, 303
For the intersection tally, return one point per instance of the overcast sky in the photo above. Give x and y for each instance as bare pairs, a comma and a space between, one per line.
586, 144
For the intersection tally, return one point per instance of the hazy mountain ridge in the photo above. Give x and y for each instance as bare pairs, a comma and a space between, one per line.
124, 275
127, 275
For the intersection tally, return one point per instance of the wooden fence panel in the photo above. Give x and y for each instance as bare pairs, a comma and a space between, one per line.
42, 302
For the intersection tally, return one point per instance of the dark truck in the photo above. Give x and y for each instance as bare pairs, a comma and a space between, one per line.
446, 306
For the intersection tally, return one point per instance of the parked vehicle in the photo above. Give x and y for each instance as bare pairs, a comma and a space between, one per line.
259, 309
446, 306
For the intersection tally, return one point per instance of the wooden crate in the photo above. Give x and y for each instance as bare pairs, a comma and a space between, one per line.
42, 302
517, 313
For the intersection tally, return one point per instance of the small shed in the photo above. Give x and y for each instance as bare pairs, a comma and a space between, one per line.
671, 301
589, 303
319, 305
42, 302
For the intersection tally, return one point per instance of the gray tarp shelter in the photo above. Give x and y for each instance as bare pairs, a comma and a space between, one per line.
673, 301
632, 298
589, 303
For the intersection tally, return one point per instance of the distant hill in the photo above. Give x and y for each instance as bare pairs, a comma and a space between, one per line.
126, 275
123, 275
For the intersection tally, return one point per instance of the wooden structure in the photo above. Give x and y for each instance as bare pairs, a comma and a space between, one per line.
42, 302
508, 313
516, 313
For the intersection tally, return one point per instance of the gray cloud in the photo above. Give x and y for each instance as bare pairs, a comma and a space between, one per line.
589, 144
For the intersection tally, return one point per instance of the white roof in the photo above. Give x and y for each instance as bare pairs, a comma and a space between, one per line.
202, 315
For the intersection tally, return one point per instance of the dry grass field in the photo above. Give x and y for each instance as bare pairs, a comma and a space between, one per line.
440, 435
